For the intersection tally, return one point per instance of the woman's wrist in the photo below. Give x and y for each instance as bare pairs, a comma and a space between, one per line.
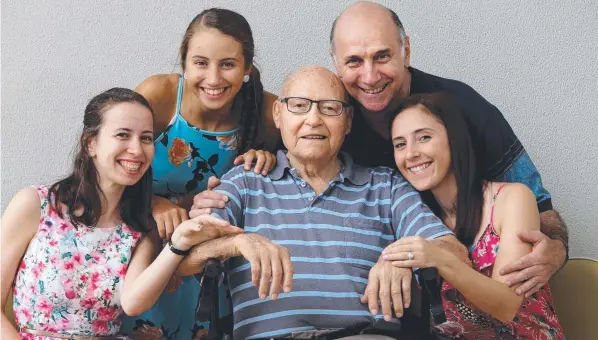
175, 241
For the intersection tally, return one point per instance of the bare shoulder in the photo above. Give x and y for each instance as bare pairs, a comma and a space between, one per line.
161, 92
514, 193
28, 199
23, 211
516, 207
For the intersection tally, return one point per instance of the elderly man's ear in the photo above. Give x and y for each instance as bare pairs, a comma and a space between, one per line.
276, 113
349, 112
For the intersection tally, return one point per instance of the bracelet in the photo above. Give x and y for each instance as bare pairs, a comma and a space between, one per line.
178, 251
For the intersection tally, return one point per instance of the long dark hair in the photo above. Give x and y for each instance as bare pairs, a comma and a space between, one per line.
81, 188
252, 92
470, 196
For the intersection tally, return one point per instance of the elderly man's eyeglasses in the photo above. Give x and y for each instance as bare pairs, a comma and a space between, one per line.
328, 107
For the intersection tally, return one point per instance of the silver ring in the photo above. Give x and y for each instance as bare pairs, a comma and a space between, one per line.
410, 256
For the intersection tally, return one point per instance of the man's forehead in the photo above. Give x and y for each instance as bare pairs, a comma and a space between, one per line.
314, 82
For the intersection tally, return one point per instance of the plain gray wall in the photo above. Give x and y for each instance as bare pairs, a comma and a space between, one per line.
535, 60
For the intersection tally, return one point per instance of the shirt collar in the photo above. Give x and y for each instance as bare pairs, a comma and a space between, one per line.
350, 171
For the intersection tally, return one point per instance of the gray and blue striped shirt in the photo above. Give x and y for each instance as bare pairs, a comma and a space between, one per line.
334, 238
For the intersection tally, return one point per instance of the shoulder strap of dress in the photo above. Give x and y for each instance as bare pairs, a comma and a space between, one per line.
179, 96
494, 202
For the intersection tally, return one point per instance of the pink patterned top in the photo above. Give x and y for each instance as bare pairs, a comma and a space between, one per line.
536, 318
70, 278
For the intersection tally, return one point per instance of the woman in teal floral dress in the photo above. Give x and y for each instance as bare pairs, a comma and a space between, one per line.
206, 117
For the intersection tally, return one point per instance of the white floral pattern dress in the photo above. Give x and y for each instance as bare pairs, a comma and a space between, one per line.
70, 278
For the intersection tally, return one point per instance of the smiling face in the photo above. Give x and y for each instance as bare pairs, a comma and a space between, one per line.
422, 152
123, 149
312, 137
214, 67
369, 56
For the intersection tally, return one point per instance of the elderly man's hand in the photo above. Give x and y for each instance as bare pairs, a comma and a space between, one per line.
270, 264
388, 284
534, 270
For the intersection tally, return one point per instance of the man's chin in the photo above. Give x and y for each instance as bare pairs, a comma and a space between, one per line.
374, 106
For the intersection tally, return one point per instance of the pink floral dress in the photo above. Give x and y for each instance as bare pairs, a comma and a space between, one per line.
70, 278
536, 318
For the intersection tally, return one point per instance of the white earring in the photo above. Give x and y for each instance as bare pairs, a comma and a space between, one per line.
246, 78
185, 75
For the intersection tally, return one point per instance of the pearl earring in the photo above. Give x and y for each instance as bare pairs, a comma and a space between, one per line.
185, 76
246, 78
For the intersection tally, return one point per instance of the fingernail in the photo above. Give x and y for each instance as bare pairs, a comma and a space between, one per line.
387, 317
274, 296
263, 296
384, 256
399, 315
374, 311
287, 289
406, 305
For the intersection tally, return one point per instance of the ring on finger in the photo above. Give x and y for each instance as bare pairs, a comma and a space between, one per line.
410, 256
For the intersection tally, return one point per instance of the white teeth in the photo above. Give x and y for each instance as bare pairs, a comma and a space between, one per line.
374, 91
314, 137
131, 166
214, 92
419, 167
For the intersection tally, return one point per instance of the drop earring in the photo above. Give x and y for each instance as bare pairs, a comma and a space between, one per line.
246, 78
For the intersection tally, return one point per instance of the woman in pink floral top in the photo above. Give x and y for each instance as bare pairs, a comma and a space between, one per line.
76, 253
433, 150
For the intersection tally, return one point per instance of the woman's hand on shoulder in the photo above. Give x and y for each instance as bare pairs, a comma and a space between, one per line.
264, 161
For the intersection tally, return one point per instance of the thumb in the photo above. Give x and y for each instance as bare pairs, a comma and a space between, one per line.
213, 182
531, 236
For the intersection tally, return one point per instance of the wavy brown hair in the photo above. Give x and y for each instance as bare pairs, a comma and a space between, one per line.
81, 188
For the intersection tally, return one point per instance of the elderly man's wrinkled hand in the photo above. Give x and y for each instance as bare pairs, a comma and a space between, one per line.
390, 285
270, 264
532, 271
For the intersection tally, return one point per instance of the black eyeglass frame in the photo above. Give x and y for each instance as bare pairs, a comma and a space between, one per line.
317, 102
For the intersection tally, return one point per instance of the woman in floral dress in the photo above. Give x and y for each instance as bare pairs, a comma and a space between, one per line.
434, 152
77, 253
209, 118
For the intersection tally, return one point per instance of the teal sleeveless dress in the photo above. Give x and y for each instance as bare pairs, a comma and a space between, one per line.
185, 158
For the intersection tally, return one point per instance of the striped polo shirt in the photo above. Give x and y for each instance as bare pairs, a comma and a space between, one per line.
334, 239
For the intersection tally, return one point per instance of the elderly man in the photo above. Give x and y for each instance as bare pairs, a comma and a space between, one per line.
371, 53
317, 224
